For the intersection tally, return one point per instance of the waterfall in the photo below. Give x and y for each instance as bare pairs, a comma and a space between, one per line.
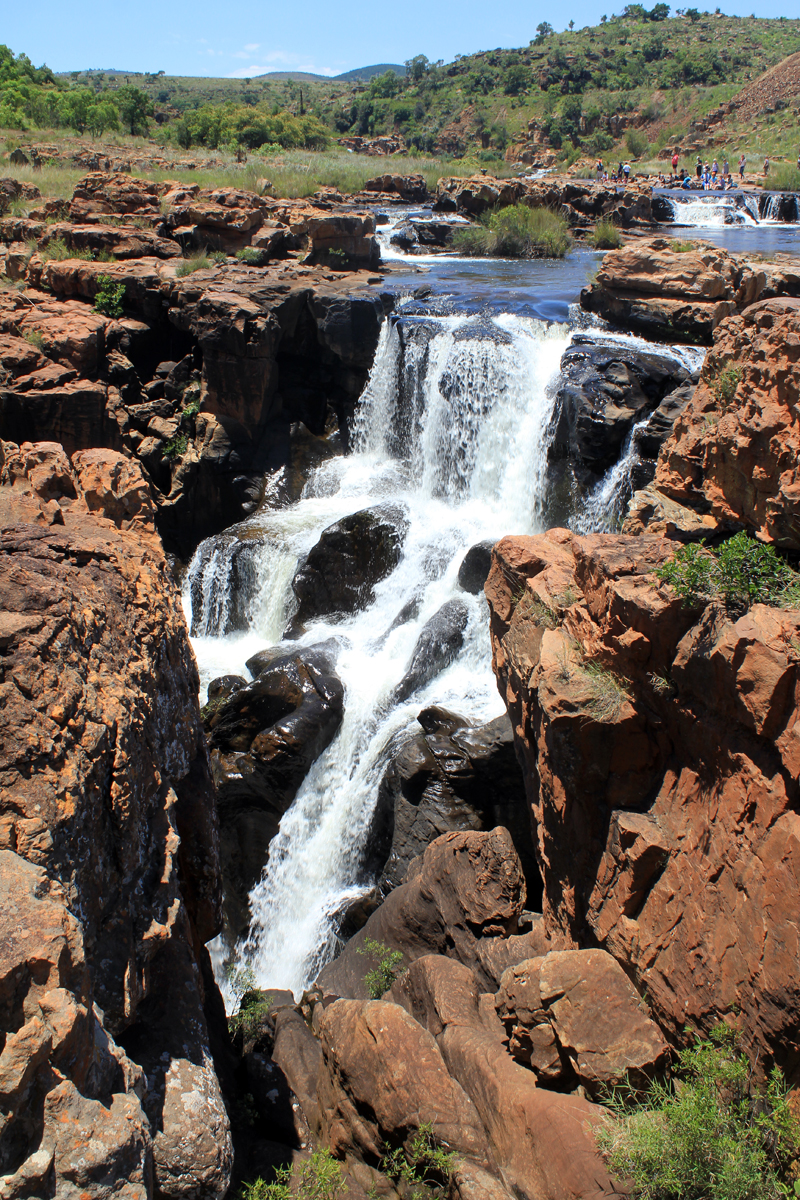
711, 210
603, 510
453, 426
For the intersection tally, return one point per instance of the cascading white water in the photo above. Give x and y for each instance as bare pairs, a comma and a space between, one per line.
710, 210
453, 426
604, 507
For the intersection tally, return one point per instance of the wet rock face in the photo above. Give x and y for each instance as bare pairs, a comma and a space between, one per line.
263, 738
603, 391
731, 461
108, 833
475, 566
453, 776
643, 774
350, 558
437, 645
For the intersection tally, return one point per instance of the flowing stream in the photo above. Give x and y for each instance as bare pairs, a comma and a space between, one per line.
453, 427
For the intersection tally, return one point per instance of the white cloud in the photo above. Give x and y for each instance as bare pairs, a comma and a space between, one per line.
276, 60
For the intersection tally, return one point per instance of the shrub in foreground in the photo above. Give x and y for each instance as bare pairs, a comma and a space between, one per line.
741, 572
515, 232
707, 1135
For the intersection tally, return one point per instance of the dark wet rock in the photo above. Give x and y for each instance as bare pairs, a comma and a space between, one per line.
454, 776
350, 558
263, 740
224, 686
603, 391
262, 659
438, 644
474, 569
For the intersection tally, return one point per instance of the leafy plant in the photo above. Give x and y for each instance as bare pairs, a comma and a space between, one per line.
218, 256
605, 235
320, 1178
109, 296
682, 247
192, 408
709, 1136
742, 572
35, 337
254, 1008
385, 971
177, 447
425, 1168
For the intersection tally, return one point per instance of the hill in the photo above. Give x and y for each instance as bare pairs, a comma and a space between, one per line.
367, 73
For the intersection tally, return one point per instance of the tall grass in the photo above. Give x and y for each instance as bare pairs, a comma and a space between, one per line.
605, 235
784, 179
515, 232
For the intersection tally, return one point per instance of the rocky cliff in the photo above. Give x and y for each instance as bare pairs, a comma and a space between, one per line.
660, 747
109, 861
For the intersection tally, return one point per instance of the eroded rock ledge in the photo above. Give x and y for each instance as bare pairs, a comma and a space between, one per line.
108, 847
662, 754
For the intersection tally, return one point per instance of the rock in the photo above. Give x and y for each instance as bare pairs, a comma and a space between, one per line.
105, 777
682, 295
382, 1076
224, 686
437, 645
576, 1012
264, 738
351, 557
474, 569
468, 890
603, 390
411, 188
638, 789
732, 459
224, 583
452, 777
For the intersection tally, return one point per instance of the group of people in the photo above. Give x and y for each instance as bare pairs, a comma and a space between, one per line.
621, 175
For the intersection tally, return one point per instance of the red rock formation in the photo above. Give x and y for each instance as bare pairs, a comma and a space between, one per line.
661, 753
732, 458
109, 871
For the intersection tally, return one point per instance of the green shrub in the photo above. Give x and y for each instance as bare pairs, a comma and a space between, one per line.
109, 296
252, 256
515, 232
724, 383
320, 1178
709, 1136
637, 142
424, 1169
254, 1008
177, 447
742, 572
195, 262
385, 971
682, 247
605, 235
784, 178
218, 256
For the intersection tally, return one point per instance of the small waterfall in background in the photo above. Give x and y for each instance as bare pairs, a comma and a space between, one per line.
603, 510
453, 427
714, 210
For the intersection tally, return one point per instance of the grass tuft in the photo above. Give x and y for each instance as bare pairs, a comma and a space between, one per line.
515, 232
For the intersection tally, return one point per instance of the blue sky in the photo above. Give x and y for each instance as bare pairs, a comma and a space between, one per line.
243, 38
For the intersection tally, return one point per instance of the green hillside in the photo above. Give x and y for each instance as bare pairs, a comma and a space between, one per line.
642, 76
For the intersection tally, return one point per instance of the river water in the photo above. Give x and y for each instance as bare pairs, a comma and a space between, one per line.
453, 428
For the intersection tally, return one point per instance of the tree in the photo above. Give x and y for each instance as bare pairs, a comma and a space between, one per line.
659, 12
515, 79
571, 26
693, 15
543, 30
135, 107
416, 67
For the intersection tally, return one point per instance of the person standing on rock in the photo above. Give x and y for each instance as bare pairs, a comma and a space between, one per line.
675, 164
726, 169
599, 170
626, 171
766, 168
741, 167
699, 167
714, 171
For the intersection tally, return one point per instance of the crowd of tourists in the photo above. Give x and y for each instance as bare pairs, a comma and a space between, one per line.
706, 177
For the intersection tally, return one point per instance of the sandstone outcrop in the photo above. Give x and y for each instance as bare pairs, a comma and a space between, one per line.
731, 461
105, 777
660, 745
261, 350
683, 295
581, 204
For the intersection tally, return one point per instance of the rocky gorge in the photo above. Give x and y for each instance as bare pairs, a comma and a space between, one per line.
451, 902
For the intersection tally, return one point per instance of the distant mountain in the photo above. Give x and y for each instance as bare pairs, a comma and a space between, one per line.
358, 75
368, 72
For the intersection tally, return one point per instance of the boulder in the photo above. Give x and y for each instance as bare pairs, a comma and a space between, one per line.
411, 188
475, 566
263, 739
466, 893
437, 645
351, 557
382, 1076
575, 1015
